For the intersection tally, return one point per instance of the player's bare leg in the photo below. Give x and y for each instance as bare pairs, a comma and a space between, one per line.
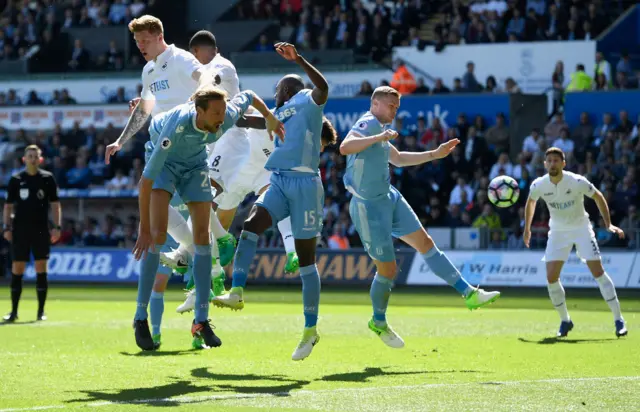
557, 296
608, 291
442, 267
380, 293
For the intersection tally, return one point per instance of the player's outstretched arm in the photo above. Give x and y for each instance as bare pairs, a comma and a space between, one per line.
603, 207
529, 210
356, 143
137, 119
401, 159
320, 92
273, 125
252, 122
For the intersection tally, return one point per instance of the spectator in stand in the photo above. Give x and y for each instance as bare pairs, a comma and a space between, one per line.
469, 82
554, 127
339, 240
434, 134
403, 81
580, 81
492, 85
119, 181
510, 86
455, 198
516, 25
522, 168
498, 135
79, 177
624, 126
625, 66
502, 167
530, 143
79, 57
421, 87
439, 87
602, 66
565, 144
119, 97
33, 99
263, 44
601, 82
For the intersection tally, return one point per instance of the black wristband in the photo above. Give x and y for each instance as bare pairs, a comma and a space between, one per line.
56, 227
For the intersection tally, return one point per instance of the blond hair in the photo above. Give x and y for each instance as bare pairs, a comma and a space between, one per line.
33, 147
146, 23
384, 91
206, 94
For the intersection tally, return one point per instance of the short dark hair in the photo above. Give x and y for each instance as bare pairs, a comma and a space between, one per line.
554, 151
203, 38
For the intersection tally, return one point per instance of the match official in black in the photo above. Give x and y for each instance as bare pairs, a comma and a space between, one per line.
30, 195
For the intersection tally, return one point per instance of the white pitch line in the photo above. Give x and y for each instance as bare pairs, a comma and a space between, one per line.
197, 399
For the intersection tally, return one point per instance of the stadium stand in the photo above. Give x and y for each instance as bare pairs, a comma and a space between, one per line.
450, 193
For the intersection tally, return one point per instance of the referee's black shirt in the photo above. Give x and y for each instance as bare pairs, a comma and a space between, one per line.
31, 196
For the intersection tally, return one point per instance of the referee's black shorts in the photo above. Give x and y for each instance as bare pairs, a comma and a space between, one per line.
28, 241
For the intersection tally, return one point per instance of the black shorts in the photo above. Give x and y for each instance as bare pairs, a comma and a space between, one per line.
26, 242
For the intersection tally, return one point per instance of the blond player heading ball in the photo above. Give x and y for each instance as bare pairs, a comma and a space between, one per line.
564, 192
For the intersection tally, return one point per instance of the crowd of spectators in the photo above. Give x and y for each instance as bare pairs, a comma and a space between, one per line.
448, 193
369, 28
34, 28
495, 21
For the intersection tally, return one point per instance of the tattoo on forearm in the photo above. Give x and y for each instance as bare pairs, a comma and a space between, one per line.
135, 123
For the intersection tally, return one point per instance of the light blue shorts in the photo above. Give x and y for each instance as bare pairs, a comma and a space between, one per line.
298, 195
192, 186
378, 221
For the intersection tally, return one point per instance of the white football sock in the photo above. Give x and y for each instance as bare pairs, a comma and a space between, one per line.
608, 291
216, 227
187, 247
556, 293
179, 229
284, 226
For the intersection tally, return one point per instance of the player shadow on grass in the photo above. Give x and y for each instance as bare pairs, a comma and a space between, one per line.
375, 372
284, 389
154, 396
29, 322
161, 353
550, 340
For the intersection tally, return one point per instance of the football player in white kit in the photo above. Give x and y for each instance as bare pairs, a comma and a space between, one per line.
569, 225
169, 78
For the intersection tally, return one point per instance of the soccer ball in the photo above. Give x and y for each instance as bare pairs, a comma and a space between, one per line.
503, 191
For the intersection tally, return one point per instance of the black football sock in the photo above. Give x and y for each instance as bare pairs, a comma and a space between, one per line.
16, 292
42, 285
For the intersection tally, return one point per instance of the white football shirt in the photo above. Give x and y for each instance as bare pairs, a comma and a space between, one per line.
168, 80
229, 81
565, 200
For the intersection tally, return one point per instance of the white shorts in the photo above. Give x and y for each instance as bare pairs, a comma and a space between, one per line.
561, 242
252, 178
228, 157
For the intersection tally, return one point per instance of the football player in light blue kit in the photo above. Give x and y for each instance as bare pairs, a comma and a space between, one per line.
295, 190
379, 212
178, 163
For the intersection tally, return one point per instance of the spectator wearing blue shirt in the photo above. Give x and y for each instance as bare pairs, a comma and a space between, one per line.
79, 177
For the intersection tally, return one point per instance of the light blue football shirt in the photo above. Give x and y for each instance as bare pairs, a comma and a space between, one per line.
300, 151
367, 174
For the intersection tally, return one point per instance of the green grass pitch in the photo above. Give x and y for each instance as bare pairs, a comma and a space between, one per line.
501, 358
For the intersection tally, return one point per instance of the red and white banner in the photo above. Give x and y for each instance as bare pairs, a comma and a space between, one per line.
43, 117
